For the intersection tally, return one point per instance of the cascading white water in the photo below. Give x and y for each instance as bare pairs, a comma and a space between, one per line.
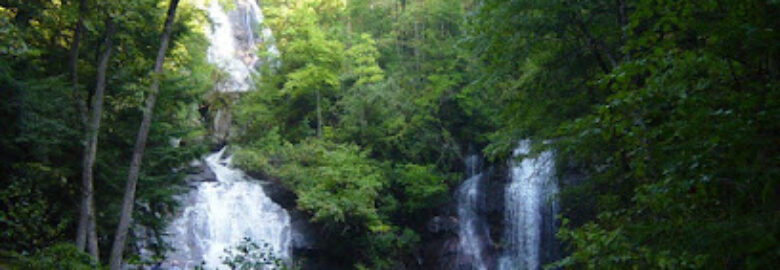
219, 215
235, 33
233, 42
472, 229
530, 209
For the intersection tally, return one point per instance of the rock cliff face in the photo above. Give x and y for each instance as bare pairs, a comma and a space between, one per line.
220, 125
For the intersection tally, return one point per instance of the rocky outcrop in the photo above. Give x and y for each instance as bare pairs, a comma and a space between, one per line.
199, 172
220, 128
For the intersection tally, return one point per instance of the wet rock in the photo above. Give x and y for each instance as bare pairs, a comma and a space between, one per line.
498, 178
221, 125
439, 224
204, 174
279, 194
441, 253
304, 236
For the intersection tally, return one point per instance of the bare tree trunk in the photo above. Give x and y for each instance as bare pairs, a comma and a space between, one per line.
92, 239
117, 248
87, 216
73, 59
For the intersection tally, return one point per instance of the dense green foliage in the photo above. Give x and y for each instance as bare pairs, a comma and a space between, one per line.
42, 129
57, 256
668, 108
379, 84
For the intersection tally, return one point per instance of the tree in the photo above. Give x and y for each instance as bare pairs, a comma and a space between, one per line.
140, 144
651, 101
73, 59
43, 128
374, 109
87, 230
307, 81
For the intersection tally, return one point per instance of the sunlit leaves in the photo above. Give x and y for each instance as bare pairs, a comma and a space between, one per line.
336, 183
363, 62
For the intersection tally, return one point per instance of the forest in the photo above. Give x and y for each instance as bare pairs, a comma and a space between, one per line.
663, 117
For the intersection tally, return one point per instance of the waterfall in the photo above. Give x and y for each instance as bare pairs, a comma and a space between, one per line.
530, 209
472, 228
234, 41
220, 214
235, 33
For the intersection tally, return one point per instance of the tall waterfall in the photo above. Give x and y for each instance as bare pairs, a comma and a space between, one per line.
472, 228
530, 209
219, 215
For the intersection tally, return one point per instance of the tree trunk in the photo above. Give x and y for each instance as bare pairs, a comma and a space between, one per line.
73, 70
92, 239
73, 59
118, 246
595, 47
86, 225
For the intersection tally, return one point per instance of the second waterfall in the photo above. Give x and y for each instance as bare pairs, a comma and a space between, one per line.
529, 209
